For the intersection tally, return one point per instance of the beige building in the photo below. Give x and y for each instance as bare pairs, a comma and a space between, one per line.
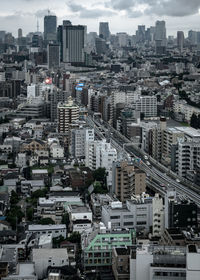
120, 263
68, 113
127, 180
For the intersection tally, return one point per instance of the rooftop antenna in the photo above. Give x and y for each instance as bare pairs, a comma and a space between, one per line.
48, 12
37, 25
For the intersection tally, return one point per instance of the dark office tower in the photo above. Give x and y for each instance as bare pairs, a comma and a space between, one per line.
160, 32
60, 36
73, 43
19, 33
100, 45
140, 34
50, 25
104, 31
2, 36
37, 41
180, 40
53, 56
60, 40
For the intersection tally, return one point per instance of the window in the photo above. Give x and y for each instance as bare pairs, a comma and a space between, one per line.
114, 217
128, 216
128, 223
141, 223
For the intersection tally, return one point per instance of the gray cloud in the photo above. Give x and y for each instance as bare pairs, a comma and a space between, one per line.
84, 12
174, 8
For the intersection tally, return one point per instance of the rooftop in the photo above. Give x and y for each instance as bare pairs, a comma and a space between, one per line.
46, 227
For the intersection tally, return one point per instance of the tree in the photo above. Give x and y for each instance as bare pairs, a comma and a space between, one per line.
98, 188
65, 219
75, 237
14, 199
99, 174
194, 121
30, 212
57, 241
198, 121
46, 221
39, 193
14, 216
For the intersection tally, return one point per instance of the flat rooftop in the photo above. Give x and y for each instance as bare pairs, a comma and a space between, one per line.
46, 227
80, 209
189, 131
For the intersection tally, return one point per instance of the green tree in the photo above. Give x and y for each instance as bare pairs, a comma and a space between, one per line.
75, 237
65, 219
14, 216
39, 193
194, 121
99, 174
46, 221
198, 121
57, 241
98, 188
14, 199
30, 212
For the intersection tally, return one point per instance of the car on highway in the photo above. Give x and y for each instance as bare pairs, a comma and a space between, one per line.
148, 163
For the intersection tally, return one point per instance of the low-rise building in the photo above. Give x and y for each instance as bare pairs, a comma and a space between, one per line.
97, 247
43, 258
55, 230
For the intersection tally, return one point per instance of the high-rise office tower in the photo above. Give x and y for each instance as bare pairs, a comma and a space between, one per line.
73, 38
53, 56
160, 32
19, 33
100, 45
140, 34
68, 113
50, 25
104, 31
180, 40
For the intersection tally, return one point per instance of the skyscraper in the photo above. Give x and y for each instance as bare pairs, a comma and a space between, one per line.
50, 25
104, 31
160, 32
73, 43
19, 33
53, 56
180, 40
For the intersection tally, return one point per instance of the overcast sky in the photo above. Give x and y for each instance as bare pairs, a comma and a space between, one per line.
122, 15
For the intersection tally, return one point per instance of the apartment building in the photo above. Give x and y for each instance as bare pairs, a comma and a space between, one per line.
100, 154
79, 138
185, 109
68, 113
147, 105
127, 180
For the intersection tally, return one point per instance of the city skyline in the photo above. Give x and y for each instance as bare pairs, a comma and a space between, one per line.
179, 14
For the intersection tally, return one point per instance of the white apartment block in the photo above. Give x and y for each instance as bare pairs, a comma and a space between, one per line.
187, 110
56, 151
147, 105
79, 138
100, 154
158, 216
